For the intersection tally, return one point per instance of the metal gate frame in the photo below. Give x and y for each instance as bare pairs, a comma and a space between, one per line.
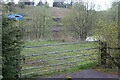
58, 58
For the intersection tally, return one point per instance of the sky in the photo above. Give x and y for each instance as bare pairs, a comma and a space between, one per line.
100, 4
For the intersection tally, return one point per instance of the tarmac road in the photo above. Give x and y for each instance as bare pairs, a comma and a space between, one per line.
85, 75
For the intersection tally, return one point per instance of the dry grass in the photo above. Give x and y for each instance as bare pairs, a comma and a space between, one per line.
59, 12
56, 12
0, 9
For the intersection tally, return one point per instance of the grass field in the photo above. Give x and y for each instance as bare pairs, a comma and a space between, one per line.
41, 50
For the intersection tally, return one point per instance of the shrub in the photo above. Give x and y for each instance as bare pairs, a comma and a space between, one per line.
107, 32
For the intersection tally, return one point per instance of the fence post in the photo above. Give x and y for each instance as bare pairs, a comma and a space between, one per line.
103, 53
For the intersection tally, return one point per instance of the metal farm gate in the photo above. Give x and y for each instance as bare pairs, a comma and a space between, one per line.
47, 62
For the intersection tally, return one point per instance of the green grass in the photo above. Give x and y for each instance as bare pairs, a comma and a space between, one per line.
41, 50
63, 71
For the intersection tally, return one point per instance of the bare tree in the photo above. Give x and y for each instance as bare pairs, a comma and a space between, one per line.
79, 19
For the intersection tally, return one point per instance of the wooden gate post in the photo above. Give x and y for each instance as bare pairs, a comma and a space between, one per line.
103, 53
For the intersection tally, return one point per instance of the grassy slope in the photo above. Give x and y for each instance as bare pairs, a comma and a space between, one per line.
54, 11
35, 13
59, 12
41, 50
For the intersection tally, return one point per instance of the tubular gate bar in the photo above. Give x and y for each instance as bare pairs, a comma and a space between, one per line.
58, 44
58, 58
58, 52
59, 64
56, 69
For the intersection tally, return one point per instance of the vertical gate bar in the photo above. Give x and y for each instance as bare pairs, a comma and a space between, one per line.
103, 50
99, 51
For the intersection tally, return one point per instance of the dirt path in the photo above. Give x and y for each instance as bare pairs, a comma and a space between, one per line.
87, 74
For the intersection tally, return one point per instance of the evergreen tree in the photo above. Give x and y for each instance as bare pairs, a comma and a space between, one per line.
40, 3
21, 5
11, 47
59, 4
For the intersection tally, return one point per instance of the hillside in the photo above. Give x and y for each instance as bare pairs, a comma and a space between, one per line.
59, 12
35, 10
0, 9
